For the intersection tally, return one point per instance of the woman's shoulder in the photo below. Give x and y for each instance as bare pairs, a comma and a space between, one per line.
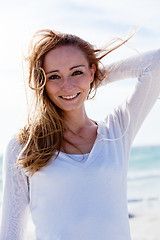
13, 148
13, 142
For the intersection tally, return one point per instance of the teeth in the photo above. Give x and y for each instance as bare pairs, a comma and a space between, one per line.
70, 97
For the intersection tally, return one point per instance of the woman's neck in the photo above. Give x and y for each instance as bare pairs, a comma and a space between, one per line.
80, 133
76, 121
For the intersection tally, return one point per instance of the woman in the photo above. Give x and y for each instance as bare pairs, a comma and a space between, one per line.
72, 171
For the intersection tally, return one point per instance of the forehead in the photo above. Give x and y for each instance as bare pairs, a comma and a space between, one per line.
62, 56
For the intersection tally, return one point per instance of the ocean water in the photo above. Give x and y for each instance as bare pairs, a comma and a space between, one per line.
143, 174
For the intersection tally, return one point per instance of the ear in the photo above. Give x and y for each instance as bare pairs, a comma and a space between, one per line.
93, 70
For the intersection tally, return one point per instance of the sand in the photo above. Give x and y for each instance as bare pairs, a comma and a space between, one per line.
145, 225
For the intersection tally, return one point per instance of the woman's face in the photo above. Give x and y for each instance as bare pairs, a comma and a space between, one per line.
68, 77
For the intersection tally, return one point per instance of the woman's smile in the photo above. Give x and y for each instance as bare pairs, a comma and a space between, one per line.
70, 97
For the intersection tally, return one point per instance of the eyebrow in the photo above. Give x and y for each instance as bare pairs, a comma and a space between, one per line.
52, 71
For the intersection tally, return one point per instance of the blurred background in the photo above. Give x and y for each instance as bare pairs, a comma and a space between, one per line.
97, 22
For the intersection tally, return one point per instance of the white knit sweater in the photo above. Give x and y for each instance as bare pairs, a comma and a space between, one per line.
84, 200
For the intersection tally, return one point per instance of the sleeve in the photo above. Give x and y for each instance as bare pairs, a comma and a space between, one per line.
15, 196
146, 68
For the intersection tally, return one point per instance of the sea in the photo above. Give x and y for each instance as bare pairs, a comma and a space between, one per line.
143, 176
144, 173
144, 181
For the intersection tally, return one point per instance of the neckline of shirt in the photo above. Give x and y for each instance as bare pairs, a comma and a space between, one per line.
99, 135
84, 160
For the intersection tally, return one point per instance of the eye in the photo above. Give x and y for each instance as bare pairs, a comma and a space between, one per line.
53, 77
77, 73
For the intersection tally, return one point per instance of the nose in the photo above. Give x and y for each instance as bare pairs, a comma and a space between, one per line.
67, 84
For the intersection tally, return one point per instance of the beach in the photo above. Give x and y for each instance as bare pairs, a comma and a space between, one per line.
145, 223
144, 193
145, 227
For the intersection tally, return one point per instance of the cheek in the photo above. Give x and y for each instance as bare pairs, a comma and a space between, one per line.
50, 87
50, 90
85, 81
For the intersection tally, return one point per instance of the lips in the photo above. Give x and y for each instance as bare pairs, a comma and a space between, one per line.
70, 97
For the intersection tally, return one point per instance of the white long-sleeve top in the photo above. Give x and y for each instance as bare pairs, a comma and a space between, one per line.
84, 199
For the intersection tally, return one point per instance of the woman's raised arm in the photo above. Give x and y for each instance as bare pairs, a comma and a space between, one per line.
146, 68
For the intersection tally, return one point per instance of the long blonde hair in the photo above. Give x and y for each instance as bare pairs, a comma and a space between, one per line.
42, 137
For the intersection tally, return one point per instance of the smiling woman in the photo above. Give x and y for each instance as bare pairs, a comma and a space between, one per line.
64, 71
70, 170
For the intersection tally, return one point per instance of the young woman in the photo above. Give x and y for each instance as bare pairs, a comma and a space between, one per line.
70, 170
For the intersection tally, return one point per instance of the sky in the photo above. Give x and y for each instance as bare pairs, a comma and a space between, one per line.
97, 22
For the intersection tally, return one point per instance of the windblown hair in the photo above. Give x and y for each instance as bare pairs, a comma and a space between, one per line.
43, 136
